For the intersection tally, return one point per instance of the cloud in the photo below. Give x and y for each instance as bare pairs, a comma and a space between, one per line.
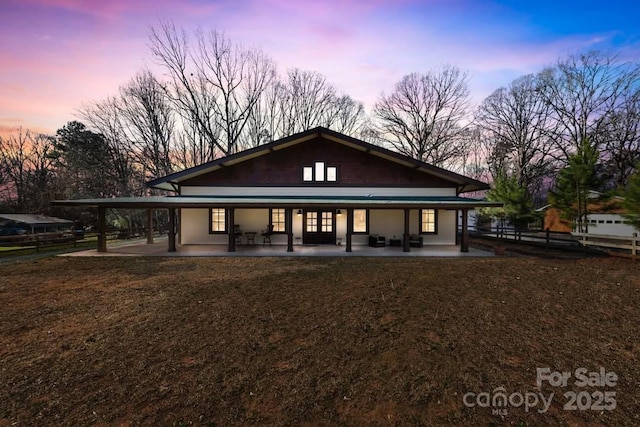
76, 51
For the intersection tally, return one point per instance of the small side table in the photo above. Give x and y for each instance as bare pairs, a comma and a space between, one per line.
251, 237
395, 242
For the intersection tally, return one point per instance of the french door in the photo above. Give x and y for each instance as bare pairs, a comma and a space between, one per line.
319, 227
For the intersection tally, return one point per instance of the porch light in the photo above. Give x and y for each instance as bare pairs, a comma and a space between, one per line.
299, 212
339, 212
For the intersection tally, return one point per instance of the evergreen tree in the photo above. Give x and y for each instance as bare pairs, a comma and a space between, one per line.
632, 199
82, 159
571, 193
518, 205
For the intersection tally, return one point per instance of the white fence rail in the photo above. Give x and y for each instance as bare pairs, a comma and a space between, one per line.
615, 242
615, 245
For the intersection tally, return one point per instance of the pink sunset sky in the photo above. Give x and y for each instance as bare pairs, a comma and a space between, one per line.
57, 54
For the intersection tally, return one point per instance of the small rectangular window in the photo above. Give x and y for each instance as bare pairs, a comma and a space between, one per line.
312, 222
360, 221
307, 173
218, 220
332, 173
319, 171
428, 221
277, 220
327, 222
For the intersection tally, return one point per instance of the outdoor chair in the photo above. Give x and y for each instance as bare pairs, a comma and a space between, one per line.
266, 235
237, 233
376, 241
415, 241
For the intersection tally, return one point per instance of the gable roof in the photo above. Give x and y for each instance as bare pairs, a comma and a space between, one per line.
463, 183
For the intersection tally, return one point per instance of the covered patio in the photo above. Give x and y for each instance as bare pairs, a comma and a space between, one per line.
159, 248
174, 204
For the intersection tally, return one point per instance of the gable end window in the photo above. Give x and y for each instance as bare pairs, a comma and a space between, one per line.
319, 172
278, 220
217, 221
428, 221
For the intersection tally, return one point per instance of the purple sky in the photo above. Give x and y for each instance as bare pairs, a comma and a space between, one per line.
57, 54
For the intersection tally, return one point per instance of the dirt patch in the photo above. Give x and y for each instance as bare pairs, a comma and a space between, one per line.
295, 341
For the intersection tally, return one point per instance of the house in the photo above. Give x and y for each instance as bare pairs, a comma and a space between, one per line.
605, 217
13, 223
317, 187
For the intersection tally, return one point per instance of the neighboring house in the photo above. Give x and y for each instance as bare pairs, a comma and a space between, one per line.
315, 187
32, 223
610, 224
605, 216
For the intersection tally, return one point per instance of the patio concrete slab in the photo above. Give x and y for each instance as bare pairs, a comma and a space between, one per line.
159, 248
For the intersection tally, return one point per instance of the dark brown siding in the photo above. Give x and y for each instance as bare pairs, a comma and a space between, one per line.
284, 168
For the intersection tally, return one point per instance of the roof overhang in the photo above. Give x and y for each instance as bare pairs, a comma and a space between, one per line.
167, 202
35, 219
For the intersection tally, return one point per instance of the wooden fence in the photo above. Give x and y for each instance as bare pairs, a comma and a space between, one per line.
614, 245
24, 243
619, 244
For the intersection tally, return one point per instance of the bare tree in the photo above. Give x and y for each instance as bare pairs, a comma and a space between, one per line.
346, 115
473, 162
619, 140
150, 124
518, 124
303, 101
215, 84
26, 165
423, 117
106, 118
582, 91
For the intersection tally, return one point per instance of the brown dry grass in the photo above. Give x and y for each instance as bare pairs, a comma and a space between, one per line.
318, 341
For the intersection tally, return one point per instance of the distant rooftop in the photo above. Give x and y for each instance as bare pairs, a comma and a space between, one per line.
34, 219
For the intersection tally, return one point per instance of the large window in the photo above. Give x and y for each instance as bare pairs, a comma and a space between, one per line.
428, 221
361, 221
218, 220
278, 220
319, 172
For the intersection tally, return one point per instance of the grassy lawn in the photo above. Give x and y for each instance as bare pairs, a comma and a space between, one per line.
316, 341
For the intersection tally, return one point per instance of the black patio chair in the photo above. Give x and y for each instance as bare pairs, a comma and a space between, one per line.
266, 235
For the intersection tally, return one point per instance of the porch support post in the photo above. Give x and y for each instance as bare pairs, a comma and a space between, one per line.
464, 240
102, 230
230, 229
172, 230
349, 227
288, 218
149, 226
457, 228
179, 227
406, 247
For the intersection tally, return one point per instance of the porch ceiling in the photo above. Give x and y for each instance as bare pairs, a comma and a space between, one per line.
166, 202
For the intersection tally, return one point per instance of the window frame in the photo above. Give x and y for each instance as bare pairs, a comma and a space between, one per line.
326, 174
313, 173
284, 220
366, 221
211, 230
435, 221
310, 168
